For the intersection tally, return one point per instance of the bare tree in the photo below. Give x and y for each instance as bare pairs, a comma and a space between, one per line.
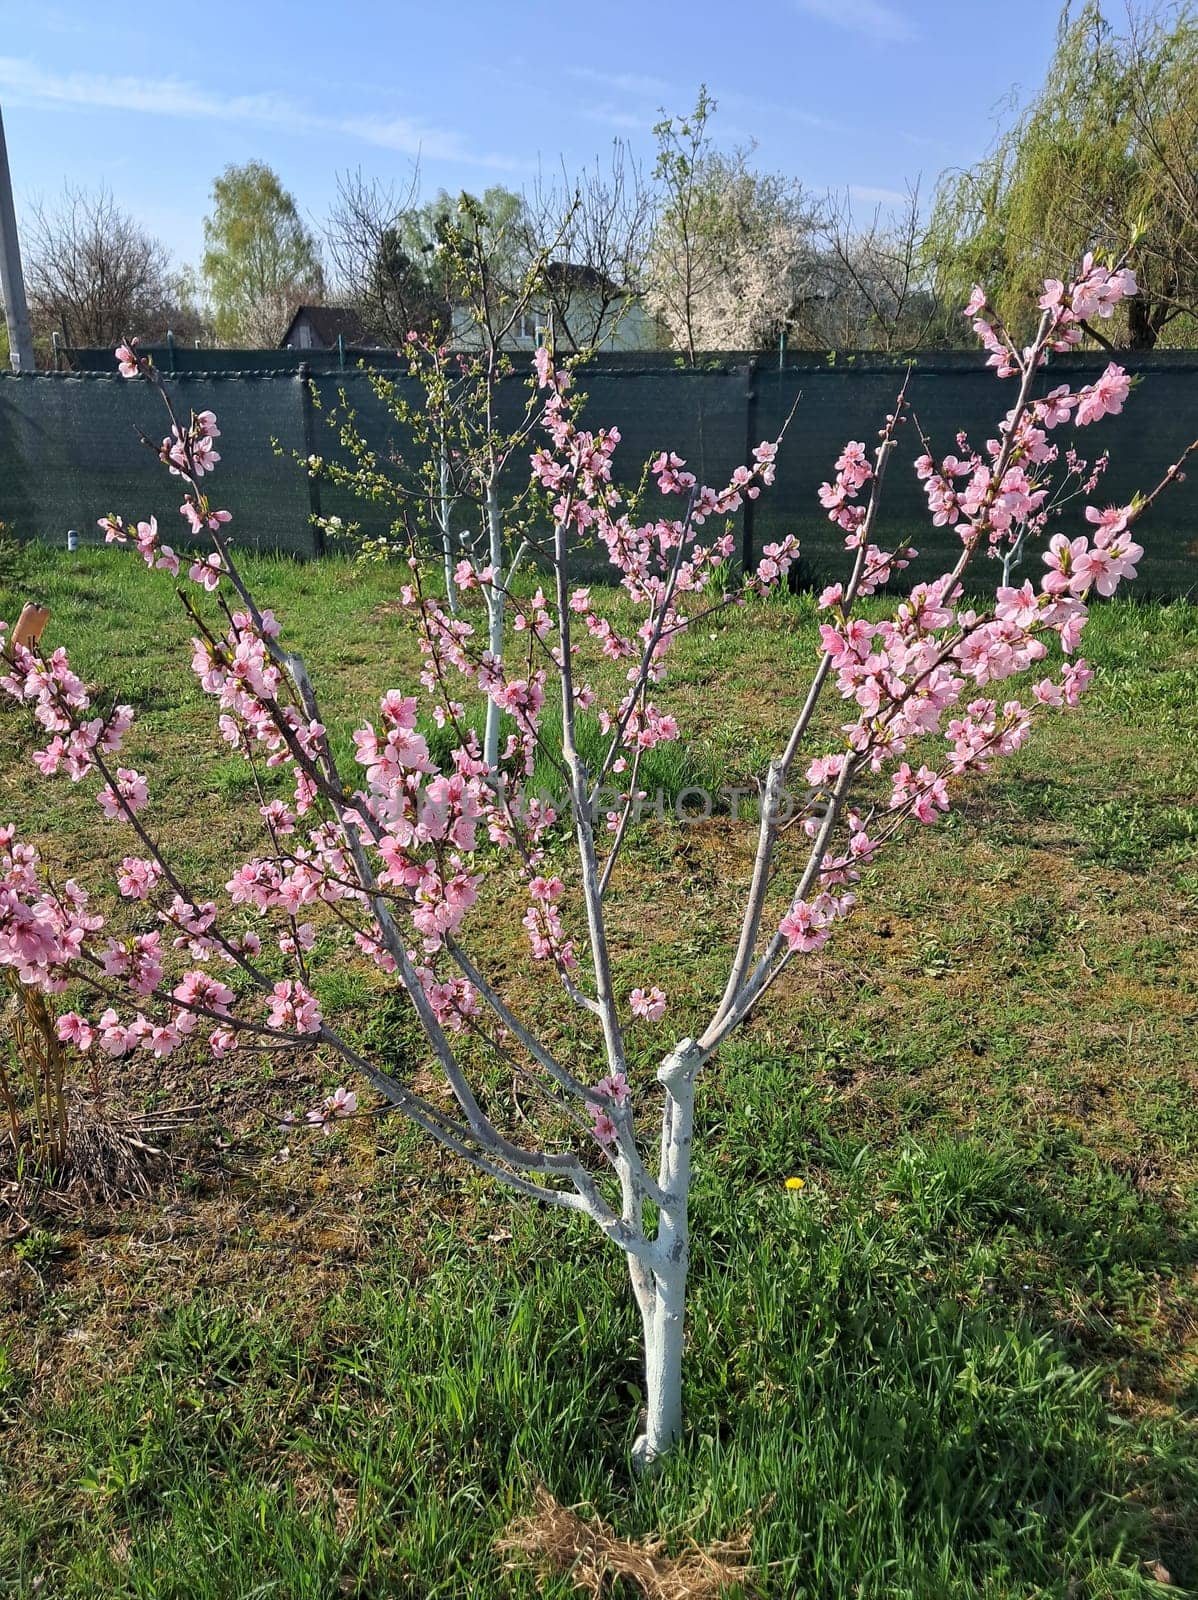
378, 266
866, 290
600, 228
95, 276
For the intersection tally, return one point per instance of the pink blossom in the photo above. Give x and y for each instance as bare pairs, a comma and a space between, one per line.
1053, 296
804, 927
650, 1004
603, 1128
207, 572
201, 991
73, 1029
341, 1103
131, 788
1105, 397
137, 878
615, 1087
294, 1007
1113, 520
115, 1038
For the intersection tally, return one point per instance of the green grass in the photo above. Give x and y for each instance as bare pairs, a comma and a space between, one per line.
961, 1362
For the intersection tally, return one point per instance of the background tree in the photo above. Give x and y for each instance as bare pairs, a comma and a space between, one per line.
681, 269
193, 319
732, 257
478, 257
1103, 159
867, 288
1161, 80
259, 259
598, 227
397, 263
381, 269
95, 276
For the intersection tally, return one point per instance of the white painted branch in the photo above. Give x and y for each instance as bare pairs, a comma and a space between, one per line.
451, 588
495, 611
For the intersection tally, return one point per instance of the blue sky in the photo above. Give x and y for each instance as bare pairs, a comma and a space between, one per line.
154, 100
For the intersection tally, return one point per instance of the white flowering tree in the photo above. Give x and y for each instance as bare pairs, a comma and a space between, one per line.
394, 854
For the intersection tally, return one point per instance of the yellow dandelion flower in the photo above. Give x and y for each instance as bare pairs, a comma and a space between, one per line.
795, 1183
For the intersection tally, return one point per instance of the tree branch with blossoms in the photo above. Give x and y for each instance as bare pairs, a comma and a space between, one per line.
396, 859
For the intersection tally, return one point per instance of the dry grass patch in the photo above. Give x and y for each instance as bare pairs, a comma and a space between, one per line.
553, 1538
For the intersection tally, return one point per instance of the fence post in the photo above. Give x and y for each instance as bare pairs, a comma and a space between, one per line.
746, 527
309, 429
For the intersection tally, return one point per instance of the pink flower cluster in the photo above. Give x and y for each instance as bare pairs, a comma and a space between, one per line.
334, 1108
144, 538
1097, 290
293, 1008
1002, 495
853, 472
807, 925
543, 924
394, 860
648, 1003
60, 703
917, 675
614, 1092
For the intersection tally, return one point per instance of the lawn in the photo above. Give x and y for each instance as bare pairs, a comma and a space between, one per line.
961, 1361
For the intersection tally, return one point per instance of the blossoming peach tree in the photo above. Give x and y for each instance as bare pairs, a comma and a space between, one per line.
395, 855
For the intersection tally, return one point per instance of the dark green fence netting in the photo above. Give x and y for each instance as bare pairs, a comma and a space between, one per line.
837, 403
70, 451
701, 415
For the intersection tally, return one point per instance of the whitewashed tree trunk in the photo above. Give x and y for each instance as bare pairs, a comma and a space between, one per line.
661, 1291
451, 588
664, 1329
495, 610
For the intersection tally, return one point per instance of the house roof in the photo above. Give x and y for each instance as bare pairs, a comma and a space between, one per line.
567, 275
330, 323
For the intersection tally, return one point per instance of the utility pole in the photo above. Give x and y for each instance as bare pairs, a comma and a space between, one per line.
12, 279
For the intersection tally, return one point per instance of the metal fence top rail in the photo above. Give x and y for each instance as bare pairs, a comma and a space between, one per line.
182, 361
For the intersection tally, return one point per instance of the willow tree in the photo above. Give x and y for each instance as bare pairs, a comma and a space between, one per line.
1104, 158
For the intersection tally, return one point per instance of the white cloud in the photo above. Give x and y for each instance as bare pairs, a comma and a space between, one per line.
613, 117
865, 194
25, 82
775, 108
624, 82
871, 18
